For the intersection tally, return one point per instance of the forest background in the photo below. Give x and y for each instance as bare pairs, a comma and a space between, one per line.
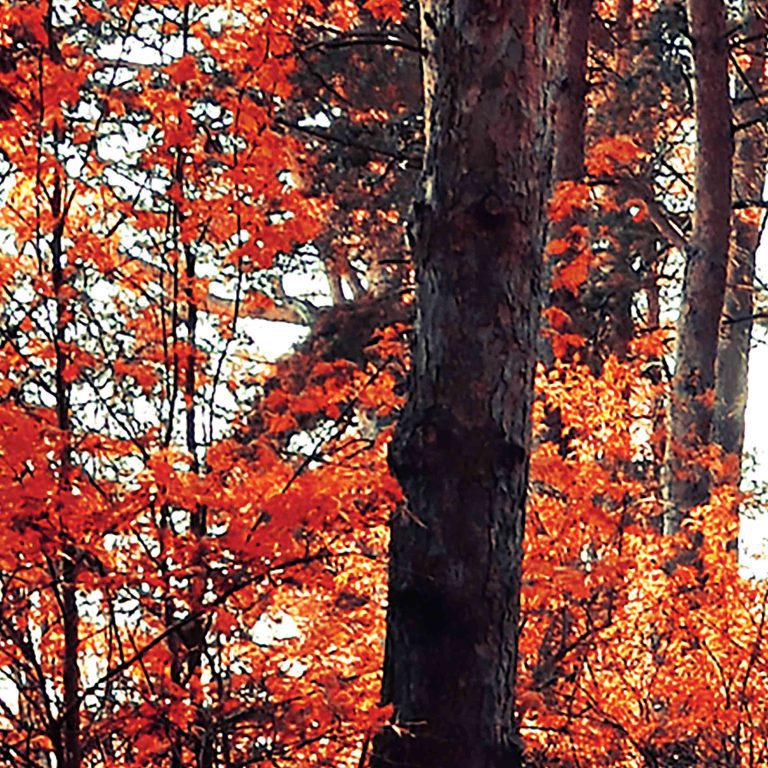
195, 522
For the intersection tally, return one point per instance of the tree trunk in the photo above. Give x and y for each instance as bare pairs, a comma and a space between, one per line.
570, 105
569, 146
736, 326
462, 447
569, 149
71, 676
693, 384
64, 575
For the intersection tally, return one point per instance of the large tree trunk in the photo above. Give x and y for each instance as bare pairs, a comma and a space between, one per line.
736, 328
462, 447
692, 403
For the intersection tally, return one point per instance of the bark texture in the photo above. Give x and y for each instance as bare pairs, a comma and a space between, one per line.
748, 182
462, 447
692, 403
571, 106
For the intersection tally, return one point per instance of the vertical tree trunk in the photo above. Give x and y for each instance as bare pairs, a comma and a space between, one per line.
569, 142
736, 327
71, 677
64, 574
462, 447
693, 384
570, 104
569, 146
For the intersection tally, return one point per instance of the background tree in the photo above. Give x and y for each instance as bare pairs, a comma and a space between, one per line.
604, 657
691, 407
748, 60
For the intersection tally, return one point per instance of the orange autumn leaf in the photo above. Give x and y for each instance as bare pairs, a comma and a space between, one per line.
612, 152
556, 317
567, 197
573, 274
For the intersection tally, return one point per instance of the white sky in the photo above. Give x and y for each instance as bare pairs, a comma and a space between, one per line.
754, 531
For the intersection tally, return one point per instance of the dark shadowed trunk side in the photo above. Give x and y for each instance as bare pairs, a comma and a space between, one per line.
748, 182
693, 384
461, 450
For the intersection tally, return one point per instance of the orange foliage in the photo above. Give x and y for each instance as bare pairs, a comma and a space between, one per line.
216, 588
636, 650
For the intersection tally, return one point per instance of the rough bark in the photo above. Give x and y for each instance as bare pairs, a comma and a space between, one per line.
462, 447
736, 326
691, 408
